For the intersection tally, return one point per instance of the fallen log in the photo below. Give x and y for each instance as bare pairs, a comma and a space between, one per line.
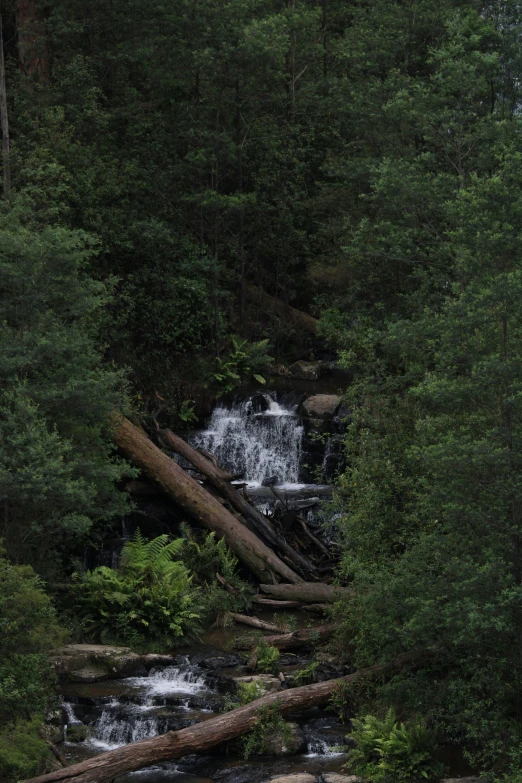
276, 604
308, 592
207, 734
254, 622
196, 501
286, 312
304, 637
216, 477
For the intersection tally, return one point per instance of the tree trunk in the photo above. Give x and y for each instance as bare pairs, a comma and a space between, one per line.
191, 496
308, 592
215, 475
286, 312
4, 119
255, 622
291, 641
205, 735
32, 49
276, 604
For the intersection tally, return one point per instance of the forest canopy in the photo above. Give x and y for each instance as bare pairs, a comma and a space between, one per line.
180, 176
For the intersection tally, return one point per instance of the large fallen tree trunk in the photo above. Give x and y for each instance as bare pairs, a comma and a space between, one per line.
286, 312
215, 475
205, 735
196, 501
304, 637
308, 592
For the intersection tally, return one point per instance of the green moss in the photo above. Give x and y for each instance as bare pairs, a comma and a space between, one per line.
23, 753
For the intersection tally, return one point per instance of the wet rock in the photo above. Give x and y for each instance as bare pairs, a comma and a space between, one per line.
299, 777
271, 481
320, 406
155, 659
308, 371
462, 780
216, 661
94, 662
278, 744
259, 403
333, 777
268, 682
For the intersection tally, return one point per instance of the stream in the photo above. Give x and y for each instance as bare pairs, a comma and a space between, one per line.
263, 436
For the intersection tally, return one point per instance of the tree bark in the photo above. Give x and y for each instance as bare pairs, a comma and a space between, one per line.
308, 592
276, 604
215, 475
255, 622
32, 48
286, 312
197, 502
205, 735
305, 637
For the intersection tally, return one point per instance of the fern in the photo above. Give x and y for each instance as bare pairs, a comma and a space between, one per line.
148, 601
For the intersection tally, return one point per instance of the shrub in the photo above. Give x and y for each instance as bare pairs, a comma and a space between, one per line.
23, 753
390, 752
267, 657
148, 601
28, 629
205, 556
269, 723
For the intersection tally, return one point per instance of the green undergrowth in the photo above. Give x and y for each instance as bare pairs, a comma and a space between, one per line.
163, 593
23, 753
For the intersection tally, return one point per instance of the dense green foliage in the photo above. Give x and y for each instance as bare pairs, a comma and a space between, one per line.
388, 750
57, 472
361, 161
206, 557
153, 600
148, 601
28, 629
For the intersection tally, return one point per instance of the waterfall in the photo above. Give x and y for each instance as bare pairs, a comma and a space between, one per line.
113, 729
258, 444
172, 679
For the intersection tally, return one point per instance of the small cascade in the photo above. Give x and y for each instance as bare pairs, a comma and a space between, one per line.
172, 679
114, 728
260, 441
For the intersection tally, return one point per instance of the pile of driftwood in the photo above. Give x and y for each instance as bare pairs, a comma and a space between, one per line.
285, 551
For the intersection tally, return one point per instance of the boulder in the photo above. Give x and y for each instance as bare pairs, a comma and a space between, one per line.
94, 662
268, 682
462, 780
298, 777
308, 371
278, 744
334, 777
320, 406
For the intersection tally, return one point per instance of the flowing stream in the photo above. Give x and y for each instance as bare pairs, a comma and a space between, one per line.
263, 438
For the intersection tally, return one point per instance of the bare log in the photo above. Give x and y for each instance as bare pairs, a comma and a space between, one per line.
286, 312
308, 592
207, 734
196, 501
272, 602
216, 477
254, 622
304, 637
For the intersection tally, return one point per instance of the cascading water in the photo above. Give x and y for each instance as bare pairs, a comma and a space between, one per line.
261, 445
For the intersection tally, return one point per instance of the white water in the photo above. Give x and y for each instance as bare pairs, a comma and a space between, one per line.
319, 747
120, 724
259, 445
170, 680
111, 732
